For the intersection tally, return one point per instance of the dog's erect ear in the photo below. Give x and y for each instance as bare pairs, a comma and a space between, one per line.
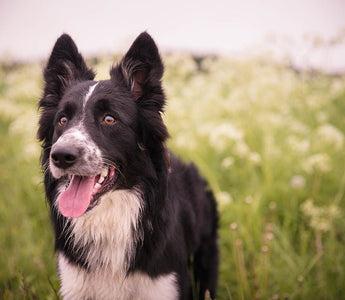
141, 70
141, 67
65, 66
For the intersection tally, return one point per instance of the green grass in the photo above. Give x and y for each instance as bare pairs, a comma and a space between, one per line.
269, 140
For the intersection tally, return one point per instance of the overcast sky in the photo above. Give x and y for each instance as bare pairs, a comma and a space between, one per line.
29, 28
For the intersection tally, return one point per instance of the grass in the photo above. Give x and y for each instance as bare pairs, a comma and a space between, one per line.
269, 140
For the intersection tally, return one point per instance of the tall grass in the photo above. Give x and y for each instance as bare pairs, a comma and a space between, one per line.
269, 140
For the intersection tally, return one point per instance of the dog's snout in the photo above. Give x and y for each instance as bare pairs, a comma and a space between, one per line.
64, 157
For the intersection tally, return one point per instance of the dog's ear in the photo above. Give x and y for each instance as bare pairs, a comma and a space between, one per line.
142, 69
65, 66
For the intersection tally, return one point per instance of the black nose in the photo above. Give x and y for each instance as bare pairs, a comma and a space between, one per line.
64, 157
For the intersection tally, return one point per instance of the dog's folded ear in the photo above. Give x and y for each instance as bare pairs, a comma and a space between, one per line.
65, 66
142, 69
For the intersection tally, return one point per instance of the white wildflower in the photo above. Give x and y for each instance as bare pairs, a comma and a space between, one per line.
338, 85
222, 134
230, 131
255, 158
297, 145
234, 226
242, 149
224, 198
268, 237
227, 162
297, 182
320, 162
206, 129
185, 142
248, 200
331, 135
298, 127
321, 217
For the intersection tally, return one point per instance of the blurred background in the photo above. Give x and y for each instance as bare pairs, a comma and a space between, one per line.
256, 98
304, 30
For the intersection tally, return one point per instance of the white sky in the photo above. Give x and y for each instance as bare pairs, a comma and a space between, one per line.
29, 28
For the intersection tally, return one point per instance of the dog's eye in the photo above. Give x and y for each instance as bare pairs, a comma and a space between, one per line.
63, 121
109, 120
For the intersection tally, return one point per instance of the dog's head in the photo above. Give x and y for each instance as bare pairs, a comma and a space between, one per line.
99, 136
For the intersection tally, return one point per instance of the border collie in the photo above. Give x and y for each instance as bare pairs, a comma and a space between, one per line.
131, 221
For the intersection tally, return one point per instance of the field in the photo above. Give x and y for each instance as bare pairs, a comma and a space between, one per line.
269, 139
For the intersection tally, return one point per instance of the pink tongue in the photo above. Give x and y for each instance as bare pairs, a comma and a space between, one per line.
76, 199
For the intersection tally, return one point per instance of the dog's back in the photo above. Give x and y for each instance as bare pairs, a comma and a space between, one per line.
198, 221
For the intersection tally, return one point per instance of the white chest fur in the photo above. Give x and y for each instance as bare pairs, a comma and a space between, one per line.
109, 233
110, 230
100, 285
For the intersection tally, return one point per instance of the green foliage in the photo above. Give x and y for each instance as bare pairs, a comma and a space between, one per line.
269, 140
27, 267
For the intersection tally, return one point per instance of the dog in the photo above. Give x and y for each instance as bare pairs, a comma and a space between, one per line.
131, 221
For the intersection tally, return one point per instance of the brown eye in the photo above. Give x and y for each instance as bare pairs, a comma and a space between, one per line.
63, 121
109, 120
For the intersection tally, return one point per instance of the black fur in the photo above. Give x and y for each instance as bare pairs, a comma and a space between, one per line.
179, 222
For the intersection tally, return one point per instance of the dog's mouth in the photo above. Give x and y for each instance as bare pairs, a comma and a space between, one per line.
82, 192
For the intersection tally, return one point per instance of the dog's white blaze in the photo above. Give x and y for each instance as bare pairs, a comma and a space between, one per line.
89, 93
80, 284
110, 230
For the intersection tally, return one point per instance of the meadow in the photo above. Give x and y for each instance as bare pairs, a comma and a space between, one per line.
269, 139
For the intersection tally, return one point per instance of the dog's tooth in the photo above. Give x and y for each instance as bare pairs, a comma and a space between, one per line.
101, 179
104, 172
97, 185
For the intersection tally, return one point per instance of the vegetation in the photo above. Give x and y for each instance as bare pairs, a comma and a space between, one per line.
269, 140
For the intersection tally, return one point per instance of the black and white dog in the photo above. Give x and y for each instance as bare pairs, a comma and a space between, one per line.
131, 221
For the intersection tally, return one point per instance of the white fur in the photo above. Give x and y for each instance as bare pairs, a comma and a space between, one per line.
109, 232
79, 284
89, 93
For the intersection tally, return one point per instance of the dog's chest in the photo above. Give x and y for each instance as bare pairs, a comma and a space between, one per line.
79, 284
106, 236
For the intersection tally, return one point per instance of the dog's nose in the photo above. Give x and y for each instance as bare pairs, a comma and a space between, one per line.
64, 157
